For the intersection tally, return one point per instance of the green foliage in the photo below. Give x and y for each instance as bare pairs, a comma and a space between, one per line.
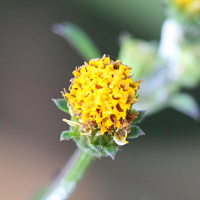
135, 132
61, 104
78, 39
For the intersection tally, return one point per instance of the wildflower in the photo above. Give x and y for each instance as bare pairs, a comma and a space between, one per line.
100, 101
101, 94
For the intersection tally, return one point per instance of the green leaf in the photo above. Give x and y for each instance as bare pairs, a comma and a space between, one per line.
78, 39
61, 104
140, 116
135, 132
110, 151
66, 135
186, 104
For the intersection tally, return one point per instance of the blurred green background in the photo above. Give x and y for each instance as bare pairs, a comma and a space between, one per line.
35, 65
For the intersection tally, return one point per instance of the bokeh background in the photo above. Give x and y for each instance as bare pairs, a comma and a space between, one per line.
36, 64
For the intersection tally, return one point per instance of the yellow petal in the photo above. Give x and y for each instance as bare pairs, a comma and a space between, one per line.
103, 130
107, 60
83, 69
76, 73
118, 124
109, 122
127, 72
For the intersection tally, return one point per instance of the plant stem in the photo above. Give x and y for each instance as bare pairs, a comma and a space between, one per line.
71, 174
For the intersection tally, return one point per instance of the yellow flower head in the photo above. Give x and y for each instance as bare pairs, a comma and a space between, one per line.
190, 6
101, 94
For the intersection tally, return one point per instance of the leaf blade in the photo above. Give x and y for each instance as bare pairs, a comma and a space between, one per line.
78, 39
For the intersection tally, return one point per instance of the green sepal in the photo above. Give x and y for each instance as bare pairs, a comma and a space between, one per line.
66, 135
61, 104
110, 151
135, 132
140, 116
103, 140
111, 142
84, 141
97, 148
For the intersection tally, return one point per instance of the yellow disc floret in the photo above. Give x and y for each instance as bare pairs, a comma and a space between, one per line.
101, 94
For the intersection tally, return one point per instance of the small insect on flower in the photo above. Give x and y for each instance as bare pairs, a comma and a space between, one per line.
100, 100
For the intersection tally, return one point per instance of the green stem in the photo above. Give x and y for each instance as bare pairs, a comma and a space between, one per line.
71, 174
